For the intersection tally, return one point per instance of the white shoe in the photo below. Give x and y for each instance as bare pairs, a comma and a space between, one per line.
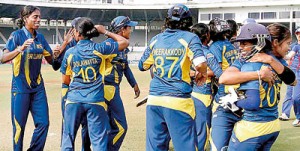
296, 123
284, 117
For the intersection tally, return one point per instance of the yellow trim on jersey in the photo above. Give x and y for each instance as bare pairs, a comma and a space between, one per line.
214, 106
225, 63
116, 77
109, 92
46, 53
18, 131
185, 105
207, 137
186, 62
108, 66
64, 91
39, 79
103, 104
148, 62
27, 70
102, 68
245, 130
226, 87
204, 98
262, 94
69, 70
120, 133
17, 64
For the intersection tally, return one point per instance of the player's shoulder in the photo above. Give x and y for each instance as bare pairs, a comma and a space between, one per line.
215, 45
16, 34
252, 66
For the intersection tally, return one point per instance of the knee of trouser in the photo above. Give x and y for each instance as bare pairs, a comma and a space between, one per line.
44, 125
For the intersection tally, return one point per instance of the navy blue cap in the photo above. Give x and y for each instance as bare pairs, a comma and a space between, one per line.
74, 21
121, 21
179, 11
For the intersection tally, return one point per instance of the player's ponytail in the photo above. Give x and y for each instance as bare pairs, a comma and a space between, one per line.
25, 12
86, 28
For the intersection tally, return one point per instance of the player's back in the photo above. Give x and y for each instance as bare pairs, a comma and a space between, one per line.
225, 54
172, 60
268, 110
86, 62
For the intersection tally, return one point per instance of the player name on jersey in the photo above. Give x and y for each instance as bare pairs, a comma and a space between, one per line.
168, 52
85, 62
34, 56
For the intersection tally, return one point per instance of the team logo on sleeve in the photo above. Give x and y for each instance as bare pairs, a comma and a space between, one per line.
209, 55
108, 43
39, 46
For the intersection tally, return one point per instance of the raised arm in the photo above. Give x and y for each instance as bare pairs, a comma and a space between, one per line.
122, 42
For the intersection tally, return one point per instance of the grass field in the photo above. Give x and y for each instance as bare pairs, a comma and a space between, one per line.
135, 139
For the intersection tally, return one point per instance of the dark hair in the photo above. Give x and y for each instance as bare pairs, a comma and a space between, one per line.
25, 12
279, 32
183, 24
201, 30
214, 34
86, 28
233, 29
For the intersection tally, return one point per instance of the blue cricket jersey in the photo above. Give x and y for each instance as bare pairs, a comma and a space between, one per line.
225, 53
85, 63
268, 95
27, 75
116, 67
171, 54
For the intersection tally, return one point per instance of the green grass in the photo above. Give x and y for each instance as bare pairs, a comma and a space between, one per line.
135, 138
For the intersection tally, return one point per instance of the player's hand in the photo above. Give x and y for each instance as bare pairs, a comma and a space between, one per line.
56, 51
136, 91
27, 43
228, 101
200, 78
261, 57
100, 28
68, 36
268, 75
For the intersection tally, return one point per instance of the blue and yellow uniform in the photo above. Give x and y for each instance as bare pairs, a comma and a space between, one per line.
203, 96
170, 110
28, 91
222, 120
115, 68
260, 127
84, 130
85, 63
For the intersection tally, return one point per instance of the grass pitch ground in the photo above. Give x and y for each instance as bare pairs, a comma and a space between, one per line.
288, 139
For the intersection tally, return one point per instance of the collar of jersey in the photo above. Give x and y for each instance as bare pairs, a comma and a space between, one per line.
172, 30
28, 34
84, 41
